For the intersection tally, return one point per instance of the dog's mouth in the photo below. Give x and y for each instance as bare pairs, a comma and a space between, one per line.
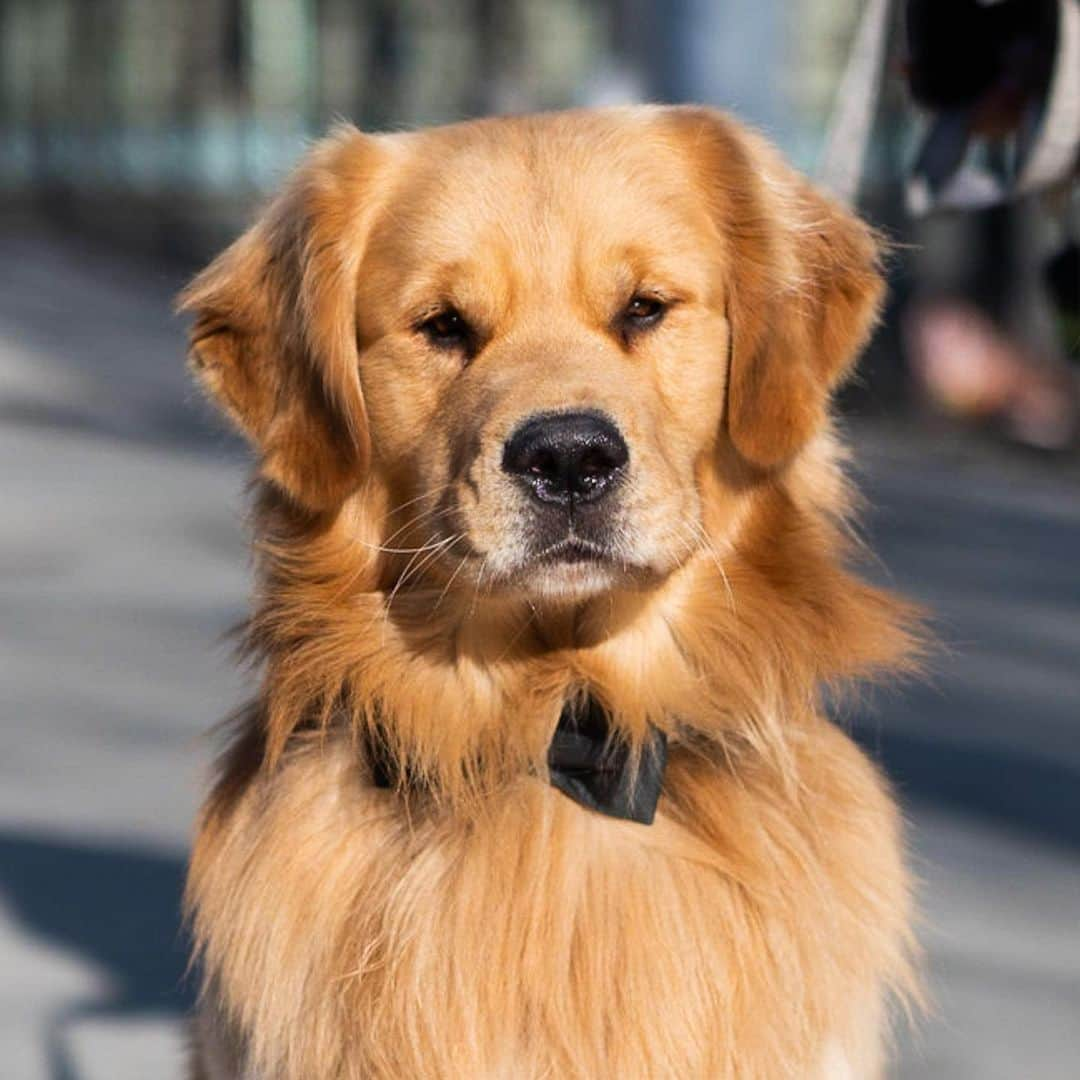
569, 566
573, 552
575, 566
573, 549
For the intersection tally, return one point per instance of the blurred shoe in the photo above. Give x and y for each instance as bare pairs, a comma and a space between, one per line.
966, 367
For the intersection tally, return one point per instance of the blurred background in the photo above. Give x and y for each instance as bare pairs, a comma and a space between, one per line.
138, 136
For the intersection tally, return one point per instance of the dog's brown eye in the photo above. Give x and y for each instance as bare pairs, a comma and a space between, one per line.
447, 330
643, 312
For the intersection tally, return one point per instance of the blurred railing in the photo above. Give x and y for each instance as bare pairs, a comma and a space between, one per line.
163, 121
214, 94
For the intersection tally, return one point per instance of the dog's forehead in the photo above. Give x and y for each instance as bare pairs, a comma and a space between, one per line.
540, 191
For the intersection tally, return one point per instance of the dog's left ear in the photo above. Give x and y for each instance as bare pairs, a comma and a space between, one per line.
274, 336
802, 286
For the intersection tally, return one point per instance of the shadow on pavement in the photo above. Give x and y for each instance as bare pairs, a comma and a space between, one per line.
118, 909
1031, 793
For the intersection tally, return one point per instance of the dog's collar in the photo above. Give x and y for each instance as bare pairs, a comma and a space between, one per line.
587, 763
596, 768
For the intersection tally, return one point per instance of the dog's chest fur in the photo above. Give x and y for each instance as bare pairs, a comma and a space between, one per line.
536, 939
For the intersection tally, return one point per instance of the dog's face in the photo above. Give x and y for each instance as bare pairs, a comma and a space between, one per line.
536, 338
543, 354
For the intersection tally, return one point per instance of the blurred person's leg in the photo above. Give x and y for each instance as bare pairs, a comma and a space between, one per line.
981, 334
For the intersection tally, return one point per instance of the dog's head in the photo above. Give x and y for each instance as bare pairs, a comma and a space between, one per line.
536, 343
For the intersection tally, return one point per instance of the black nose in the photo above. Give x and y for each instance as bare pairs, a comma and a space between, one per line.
566, 457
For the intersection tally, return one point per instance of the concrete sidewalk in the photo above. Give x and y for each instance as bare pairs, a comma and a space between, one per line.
122, 563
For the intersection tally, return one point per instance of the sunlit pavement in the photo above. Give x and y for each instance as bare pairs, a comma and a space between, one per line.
122, 564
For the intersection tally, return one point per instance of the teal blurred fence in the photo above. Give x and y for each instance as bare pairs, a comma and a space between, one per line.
216, 95
164, 120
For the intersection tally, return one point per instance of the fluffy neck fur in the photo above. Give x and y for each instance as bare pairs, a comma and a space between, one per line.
754, 925
464, 691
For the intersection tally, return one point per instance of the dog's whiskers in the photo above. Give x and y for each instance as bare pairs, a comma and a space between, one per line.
476, 587
416, 519
413, 567
430, 552
418, 498
426, 518
698, 532
446, 587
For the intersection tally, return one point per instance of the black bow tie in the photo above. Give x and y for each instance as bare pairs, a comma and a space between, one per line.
594, 769
586, 764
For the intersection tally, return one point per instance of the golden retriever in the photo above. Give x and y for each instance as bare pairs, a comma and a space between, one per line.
550, 538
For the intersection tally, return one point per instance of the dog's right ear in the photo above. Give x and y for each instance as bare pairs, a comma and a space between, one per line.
274, 336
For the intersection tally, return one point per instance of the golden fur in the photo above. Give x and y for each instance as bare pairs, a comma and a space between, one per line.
475, 922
